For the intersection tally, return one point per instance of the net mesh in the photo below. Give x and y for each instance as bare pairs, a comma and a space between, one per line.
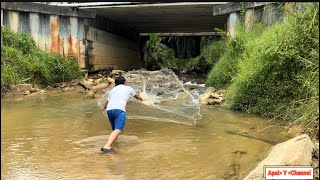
165, 97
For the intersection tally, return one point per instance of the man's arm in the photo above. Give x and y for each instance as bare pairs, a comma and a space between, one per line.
105, 105
137, 96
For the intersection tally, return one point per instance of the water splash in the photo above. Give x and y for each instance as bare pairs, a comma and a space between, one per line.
165, 97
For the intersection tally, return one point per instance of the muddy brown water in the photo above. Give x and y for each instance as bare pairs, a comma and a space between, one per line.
59, 136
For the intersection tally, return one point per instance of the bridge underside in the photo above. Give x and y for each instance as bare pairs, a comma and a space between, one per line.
179, 17
108, 35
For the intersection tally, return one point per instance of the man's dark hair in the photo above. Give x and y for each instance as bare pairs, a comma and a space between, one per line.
119, 80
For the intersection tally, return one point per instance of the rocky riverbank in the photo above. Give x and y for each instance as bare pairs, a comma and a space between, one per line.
299, 151
89, 86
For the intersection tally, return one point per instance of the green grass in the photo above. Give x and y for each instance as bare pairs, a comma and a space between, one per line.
276, 71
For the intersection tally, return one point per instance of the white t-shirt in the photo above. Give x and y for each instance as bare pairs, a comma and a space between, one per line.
118, 97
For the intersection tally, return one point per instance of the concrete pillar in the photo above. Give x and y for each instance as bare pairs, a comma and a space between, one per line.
1, 17
34, 27
55, 38
271, 14
251, 16
233, 20
14, 21
73, 38
249, 19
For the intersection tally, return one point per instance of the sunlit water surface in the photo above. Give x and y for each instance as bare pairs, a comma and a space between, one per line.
59, 136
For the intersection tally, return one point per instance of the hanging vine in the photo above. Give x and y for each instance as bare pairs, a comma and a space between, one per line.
242, 12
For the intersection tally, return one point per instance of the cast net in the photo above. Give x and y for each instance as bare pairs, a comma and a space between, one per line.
166, 98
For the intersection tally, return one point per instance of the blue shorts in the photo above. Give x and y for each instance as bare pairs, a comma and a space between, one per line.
117, 119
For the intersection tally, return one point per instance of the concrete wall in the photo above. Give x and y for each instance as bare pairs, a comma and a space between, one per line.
52, 33
61, 30
256, 11
106, 50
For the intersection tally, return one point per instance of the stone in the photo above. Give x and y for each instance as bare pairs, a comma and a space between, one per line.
100, 87
296, 151
81, 89
26, 93
24, 87
97, 81
49, 88
67, 89
214, 95
85, 84
159, 78
89, 80
213, 101
110, 80
90, 94
13, 88
206, 95
117, 72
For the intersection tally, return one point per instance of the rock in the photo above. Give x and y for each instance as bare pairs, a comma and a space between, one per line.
90, 94
214, 95
211, 97
110, 80
159, 78
116, 72
26, 93
81, 89
67, 89
8, 95
86, 84
24, 87
13, 88
49, 88
206, 95
33, 90
296, 151
74, 82
213, 101
100, 87
60, 85
97, 81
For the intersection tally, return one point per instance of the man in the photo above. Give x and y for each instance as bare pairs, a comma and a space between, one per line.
115, 106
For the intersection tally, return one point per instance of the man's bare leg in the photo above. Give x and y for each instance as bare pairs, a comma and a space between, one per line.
113, 136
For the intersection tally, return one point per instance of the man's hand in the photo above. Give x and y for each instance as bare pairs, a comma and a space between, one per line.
137, 96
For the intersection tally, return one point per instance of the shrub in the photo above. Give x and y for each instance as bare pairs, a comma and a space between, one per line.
227, 67
21, 61
158, 55
279, 75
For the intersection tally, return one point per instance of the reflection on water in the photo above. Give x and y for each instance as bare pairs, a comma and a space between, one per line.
60, 135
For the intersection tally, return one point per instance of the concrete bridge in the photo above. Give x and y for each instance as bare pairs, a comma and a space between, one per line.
107, 35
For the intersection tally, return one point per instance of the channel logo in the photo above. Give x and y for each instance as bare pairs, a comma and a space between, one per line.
288, 172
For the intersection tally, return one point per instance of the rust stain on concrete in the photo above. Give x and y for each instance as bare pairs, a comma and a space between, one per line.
55, 38
73, 47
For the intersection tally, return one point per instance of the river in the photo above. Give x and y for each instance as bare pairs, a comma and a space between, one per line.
59, 136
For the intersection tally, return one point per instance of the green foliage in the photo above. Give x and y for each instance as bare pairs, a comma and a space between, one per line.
158, 55
233, 51
20, 41
276, 74
21, 61
209, 56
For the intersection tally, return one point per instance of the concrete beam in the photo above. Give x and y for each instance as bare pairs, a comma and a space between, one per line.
186, 34
235, 7
47, 9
